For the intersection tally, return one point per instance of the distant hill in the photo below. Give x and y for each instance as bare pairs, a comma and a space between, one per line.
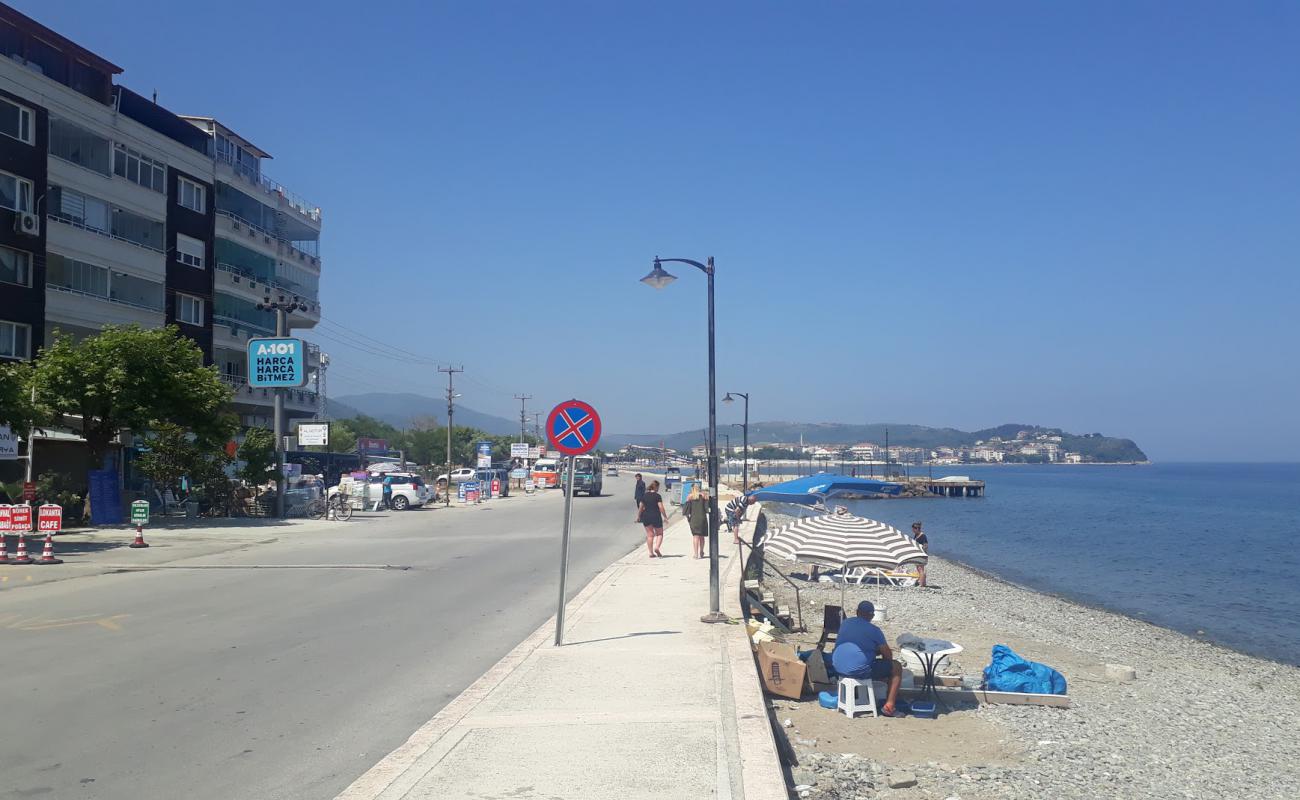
401, 408
1093, 445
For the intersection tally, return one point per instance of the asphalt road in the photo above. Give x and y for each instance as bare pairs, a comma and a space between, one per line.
282, 670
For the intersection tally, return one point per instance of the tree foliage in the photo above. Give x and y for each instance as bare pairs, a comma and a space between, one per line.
258, 454
173, 453
16, 407
129, 378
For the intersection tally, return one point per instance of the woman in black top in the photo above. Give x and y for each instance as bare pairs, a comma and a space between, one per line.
923, 542
652, 517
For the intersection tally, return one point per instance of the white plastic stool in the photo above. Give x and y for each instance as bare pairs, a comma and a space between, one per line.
849, 700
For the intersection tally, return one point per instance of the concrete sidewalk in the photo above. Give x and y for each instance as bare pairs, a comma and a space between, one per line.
642, 702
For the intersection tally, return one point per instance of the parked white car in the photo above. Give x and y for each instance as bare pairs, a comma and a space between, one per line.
409, 491
459, 475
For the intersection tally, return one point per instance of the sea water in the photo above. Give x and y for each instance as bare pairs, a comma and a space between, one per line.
1211, 550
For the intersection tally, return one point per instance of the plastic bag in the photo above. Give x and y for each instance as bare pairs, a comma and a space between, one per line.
1009, 672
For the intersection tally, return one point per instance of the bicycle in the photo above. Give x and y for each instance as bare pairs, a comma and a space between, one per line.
338, 503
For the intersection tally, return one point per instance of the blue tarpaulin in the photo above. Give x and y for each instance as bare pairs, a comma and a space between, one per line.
1008, 672
815, 488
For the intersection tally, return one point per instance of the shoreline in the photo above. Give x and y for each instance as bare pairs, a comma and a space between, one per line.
989, 575
1198, 716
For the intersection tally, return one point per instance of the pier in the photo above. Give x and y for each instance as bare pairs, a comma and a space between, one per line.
956, 486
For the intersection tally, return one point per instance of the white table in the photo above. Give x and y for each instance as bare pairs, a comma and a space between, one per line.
930, 652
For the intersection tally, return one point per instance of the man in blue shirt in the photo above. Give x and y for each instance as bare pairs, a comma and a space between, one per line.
857, 646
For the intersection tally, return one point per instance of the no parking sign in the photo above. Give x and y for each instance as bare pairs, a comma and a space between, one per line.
573, 428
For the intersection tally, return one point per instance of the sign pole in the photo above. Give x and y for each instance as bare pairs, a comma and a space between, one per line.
564, 554
281, 324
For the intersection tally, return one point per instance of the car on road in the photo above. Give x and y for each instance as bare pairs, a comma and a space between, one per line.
611, 470
458, 475
546, 473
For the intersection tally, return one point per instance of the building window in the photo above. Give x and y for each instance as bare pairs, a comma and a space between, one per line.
15, 193
189, 251
189, 309
15, 266
16, 121
15, 340
192, 195
140, 169
78, 145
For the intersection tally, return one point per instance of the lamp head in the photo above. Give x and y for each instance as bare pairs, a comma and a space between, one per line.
658, 277
728, 398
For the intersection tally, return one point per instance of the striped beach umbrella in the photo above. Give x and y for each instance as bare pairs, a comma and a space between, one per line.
840, 539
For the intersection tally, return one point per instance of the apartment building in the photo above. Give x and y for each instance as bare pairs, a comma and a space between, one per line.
115, 210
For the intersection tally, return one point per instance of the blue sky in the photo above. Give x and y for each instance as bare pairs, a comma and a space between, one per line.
1082, 214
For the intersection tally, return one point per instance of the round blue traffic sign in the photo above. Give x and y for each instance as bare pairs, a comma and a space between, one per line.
573, 428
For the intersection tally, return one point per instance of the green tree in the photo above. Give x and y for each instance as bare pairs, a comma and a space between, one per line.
174, 453
258, 454
16, 407
128, 378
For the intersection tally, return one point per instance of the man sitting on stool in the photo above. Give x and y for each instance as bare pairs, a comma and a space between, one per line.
857, 646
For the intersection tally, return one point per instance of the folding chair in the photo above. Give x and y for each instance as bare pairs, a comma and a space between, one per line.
832, 616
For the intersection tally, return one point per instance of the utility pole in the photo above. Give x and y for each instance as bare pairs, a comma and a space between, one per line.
537, 426
451, 411
523, 414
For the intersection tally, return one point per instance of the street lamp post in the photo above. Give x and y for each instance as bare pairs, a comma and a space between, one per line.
744, 478
658, 279
727, 460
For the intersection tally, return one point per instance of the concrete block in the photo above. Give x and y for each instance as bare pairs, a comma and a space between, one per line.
901, 780
1120, 673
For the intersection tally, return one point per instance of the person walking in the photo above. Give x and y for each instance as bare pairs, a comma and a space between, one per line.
923, 542
388, 492
697, 514
638, 493
652, 517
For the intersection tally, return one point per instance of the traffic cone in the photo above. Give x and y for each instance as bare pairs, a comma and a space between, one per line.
4, 554
47, 554
21, 557
139, 538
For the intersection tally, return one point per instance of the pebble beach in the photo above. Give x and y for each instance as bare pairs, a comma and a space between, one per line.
1198, 721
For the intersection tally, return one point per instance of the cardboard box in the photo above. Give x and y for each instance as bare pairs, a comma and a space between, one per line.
783, 673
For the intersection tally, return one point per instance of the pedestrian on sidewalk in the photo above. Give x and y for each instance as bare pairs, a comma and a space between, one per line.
923, 542
697, 513
388, 492
652, 514
735, 512
639, 492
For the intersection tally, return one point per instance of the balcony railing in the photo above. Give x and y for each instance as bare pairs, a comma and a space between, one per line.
284, 246
235, 322
109, 299
83, 226
242, 391
279, 286
257, 178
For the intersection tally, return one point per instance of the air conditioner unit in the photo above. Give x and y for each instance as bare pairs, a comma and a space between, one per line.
27, 224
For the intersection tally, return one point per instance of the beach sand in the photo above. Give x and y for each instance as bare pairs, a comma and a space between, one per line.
1200, 721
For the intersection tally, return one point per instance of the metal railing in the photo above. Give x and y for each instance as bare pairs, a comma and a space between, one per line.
256, 177
754, 551
83, 226
272, 282
108, 298
236, 322
282, 243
